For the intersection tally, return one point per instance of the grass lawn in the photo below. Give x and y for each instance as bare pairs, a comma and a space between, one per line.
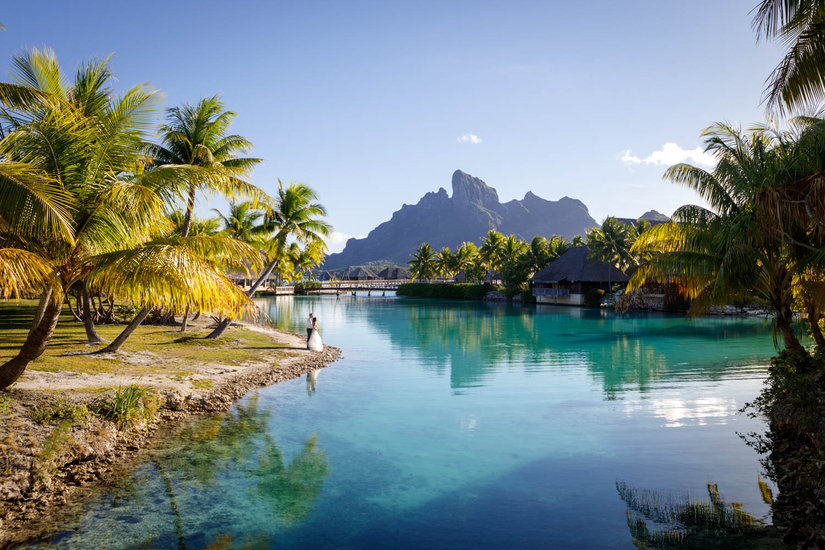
166, 350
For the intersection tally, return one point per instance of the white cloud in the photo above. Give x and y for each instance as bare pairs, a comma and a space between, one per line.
629, 159
469, 137
671, 154
337, 240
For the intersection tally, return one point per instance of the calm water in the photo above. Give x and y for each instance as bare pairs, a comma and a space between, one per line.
454, 425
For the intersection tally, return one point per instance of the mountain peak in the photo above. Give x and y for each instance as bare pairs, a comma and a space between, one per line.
470, 190
654, 216
466, 216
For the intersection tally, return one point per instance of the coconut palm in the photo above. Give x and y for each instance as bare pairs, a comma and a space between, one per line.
302, 260
198, 135
612, 243
198, 226
295, 215
491, 248
422, 264
761, 232
445, 263
464, 258
556, 246
240, 222
97, 209
800, 77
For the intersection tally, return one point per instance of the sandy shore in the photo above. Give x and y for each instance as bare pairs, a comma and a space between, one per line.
43, 476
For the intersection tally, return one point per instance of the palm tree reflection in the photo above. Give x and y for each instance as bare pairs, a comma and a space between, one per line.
685, 522
240, 442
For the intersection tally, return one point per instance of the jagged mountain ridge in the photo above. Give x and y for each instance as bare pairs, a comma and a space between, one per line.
467, 215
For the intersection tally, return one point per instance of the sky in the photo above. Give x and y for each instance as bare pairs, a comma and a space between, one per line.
373, 104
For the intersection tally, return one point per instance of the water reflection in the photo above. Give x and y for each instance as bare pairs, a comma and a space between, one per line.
204, 479
472, 342
657, 519
312, 381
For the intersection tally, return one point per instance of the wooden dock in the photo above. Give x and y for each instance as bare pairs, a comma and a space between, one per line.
338, 287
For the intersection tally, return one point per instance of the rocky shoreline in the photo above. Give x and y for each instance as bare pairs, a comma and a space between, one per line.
44, 478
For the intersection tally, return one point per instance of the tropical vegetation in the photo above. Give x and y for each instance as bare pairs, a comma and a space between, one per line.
90, 207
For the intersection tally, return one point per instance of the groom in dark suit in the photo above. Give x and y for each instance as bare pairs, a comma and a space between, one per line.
309, 327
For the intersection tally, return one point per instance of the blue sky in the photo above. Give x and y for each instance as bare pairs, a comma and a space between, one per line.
367, 102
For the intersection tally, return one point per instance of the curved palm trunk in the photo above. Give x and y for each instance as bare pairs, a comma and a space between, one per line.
223, 325
88, 316
41, 307
130, 328
185, 321
813, 321
784, 322
35, 342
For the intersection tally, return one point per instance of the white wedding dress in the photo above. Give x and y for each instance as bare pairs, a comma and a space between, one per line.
315, 343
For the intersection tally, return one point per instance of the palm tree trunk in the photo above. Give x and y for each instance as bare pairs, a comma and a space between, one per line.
813, 321
41, 307
183, 321
187, 217
130, 328
184, 232
88, 317
35, 342
223, 325
784, 318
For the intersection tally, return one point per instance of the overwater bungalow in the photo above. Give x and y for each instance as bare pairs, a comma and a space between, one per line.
394, 273
358, 273
571, 276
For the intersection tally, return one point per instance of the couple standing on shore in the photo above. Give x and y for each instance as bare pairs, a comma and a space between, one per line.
314, 342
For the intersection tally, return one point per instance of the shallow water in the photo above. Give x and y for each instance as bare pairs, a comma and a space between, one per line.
454, 425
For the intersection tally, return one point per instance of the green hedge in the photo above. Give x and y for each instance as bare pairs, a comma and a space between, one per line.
460, 291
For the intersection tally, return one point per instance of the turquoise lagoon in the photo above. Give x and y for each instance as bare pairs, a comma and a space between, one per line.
453, 425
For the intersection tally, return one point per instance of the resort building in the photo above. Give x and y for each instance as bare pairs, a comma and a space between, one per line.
571, 275
395, 273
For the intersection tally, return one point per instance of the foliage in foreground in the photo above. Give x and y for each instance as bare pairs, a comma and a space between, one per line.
685, 522
129, 406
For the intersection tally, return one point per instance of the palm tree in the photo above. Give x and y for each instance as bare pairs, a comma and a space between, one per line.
763, 228
198, 135
198, 226
464, 258
301, 260
491, 249
800, 77
556, 246
422, 264
92, 209
445, 263
295, 215
612, 243
240, 222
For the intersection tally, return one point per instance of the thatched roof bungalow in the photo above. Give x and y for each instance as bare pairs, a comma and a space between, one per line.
571, 275
393, 273
358, 273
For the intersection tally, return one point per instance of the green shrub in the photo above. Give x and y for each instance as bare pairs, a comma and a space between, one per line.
303, 287
458, 291
5, 406
129, 405
63, 410
593, 297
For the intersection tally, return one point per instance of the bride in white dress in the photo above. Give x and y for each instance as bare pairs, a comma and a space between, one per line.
315, 343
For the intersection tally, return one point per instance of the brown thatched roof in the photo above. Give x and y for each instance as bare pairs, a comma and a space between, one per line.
396, 272
358, 272
573, 266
